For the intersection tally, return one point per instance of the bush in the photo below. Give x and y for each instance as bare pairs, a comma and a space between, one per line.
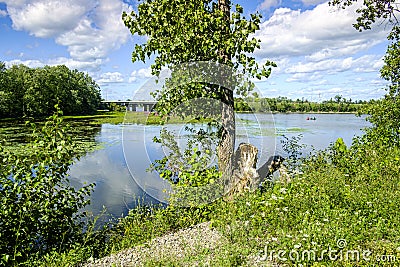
343, 200
40, 210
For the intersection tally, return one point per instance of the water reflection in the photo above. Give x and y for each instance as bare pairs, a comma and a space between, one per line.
115, 187
119, 170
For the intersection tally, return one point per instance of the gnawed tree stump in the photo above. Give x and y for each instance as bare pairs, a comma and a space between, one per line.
245, 176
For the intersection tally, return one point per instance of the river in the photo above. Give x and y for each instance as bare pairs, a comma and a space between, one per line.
119, 169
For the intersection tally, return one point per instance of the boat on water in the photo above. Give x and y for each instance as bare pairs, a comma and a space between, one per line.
311, 118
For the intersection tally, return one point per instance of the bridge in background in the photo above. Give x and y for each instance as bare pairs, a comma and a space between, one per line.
133, 105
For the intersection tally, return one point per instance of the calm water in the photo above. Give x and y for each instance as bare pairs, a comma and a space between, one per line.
119, 170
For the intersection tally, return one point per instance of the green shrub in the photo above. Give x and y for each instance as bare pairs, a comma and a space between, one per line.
40, 210
344, 193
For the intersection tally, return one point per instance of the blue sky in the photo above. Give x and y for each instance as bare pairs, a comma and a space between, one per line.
318, 52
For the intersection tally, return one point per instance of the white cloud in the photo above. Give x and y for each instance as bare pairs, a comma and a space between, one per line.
320, 82
369, 63
47, 18
313, 2
368, 93
320, 52
379, 82
305, 77
92, 65
146, 73
331, 65
90, 29
95, 37
335, 90
140, 74
29, 63
267, 4
111, 77
70, 63
3, 13
15, 2
319, 33
366, 63
331, 52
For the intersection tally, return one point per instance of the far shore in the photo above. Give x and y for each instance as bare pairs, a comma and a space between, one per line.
116, 117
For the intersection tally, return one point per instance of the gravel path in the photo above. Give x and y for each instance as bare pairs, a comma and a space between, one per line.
170, 246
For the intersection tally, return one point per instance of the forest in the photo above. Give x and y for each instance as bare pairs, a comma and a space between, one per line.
33, 92
284, 105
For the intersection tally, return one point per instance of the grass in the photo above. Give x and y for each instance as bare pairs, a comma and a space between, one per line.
111, 117
340, 209
129, 117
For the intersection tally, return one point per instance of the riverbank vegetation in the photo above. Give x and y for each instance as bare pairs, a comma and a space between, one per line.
40, 211
131, 117
343, 201
33, 92
253, 103
283, 104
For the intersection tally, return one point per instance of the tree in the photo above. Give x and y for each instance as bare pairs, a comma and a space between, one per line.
371, 12
16, 85
384, 114
338, 98
41, 212
34, 92
3, 93
182, 31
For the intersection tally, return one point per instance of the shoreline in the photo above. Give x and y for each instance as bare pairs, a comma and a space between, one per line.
118, 114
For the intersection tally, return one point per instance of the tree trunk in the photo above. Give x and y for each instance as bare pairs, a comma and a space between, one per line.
227, 143
224, 6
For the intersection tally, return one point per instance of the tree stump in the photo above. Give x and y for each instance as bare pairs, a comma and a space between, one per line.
244, 175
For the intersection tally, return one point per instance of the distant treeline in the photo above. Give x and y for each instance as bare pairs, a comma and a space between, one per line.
34, 92
283, 104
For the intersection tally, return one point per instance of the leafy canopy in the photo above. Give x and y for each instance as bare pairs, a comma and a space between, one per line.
371, 11
181, 31
34, 92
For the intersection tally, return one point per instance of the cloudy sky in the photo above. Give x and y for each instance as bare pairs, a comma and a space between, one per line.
318, 52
